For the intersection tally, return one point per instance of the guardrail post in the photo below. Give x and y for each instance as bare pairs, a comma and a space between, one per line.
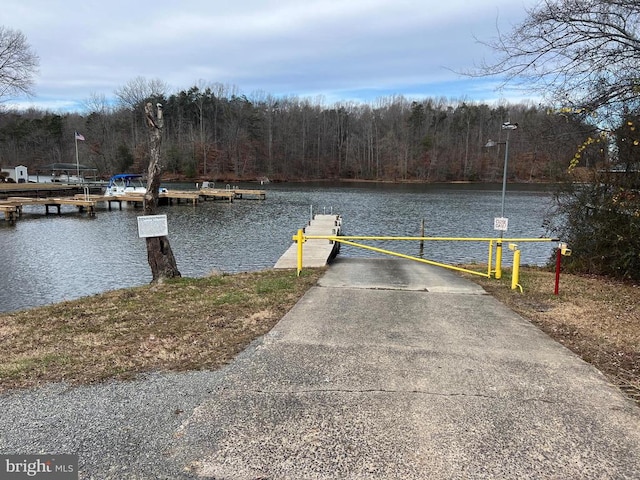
299, 239
562, 250
490, 260
515, 275
499, 260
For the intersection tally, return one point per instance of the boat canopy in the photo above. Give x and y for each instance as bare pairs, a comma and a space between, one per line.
124, 177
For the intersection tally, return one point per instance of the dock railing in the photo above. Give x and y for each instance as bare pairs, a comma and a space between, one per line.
492, 268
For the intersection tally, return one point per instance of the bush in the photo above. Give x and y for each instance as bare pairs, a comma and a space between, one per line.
600, 221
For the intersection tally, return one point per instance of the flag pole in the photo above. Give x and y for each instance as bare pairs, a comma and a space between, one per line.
75, 135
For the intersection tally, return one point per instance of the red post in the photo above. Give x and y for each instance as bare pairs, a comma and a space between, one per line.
558, 262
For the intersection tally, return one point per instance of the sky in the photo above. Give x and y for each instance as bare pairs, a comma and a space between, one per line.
329, 50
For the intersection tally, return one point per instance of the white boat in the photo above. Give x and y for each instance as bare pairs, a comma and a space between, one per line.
126, 183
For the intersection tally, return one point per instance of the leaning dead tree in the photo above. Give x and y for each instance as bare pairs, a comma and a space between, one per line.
159, 253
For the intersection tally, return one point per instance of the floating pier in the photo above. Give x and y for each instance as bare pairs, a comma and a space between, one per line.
316, 252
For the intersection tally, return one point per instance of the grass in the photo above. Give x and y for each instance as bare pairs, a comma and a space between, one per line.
182, 324
188, 324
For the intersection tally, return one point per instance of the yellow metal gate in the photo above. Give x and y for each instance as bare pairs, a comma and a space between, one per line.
496, 269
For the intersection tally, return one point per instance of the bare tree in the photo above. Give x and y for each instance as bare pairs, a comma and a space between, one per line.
18, 63
97, 103
134, 94
139, 89
581, 53
159, 254
585, 54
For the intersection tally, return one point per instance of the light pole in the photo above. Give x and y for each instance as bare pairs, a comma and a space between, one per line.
503, 222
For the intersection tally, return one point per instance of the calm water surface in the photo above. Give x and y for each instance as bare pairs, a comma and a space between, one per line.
46, 259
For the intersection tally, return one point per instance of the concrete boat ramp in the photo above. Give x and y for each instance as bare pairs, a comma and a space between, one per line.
392, 369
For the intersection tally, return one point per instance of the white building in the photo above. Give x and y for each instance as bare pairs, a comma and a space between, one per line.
18, 174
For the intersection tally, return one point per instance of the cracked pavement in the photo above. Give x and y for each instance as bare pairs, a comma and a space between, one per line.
395, 369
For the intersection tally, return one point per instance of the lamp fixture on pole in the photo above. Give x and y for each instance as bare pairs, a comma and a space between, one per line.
502, 223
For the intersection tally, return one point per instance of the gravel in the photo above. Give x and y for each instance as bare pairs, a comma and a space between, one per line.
119, 429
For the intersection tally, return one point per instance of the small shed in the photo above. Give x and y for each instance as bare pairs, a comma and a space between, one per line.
17, 174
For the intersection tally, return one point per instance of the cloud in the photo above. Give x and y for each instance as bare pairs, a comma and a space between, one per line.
282, 47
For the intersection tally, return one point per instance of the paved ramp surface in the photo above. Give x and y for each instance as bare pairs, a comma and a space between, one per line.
394, 369
394, 274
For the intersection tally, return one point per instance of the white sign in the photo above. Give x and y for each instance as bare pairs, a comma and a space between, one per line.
152, 226
500, 223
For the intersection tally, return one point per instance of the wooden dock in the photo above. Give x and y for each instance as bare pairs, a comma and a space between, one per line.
245, 192
231, 194
179, 195
43, 190
12, 206
10, 212
316, 252
138, 198
217, 194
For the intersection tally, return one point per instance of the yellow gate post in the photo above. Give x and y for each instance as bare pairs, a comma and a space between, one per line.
299, 239
499, 260
490, 259
515, 276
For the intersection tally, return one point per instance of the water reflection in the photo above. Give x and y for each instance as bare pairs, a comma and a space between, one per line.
50, 258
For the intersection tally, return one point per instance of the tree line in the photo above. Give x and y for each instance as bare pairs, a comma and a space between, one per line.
214, 132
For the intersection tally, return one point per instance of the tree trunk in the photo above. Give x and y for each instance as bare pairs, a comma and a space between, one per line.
161, 259
159, 253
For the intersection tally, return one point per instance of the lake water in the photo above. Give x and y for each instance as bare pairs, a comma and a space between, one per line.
47, 259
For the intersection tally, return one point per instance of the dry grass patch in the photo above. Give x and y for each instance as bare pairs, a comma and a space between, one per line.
182, 324
595, 317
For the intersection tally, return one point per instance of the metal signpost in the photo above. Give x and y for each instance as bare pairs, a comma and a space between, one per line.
502, 222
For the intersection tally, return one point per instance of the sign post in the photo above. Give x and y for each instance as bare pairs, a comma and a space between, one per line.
501, 224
